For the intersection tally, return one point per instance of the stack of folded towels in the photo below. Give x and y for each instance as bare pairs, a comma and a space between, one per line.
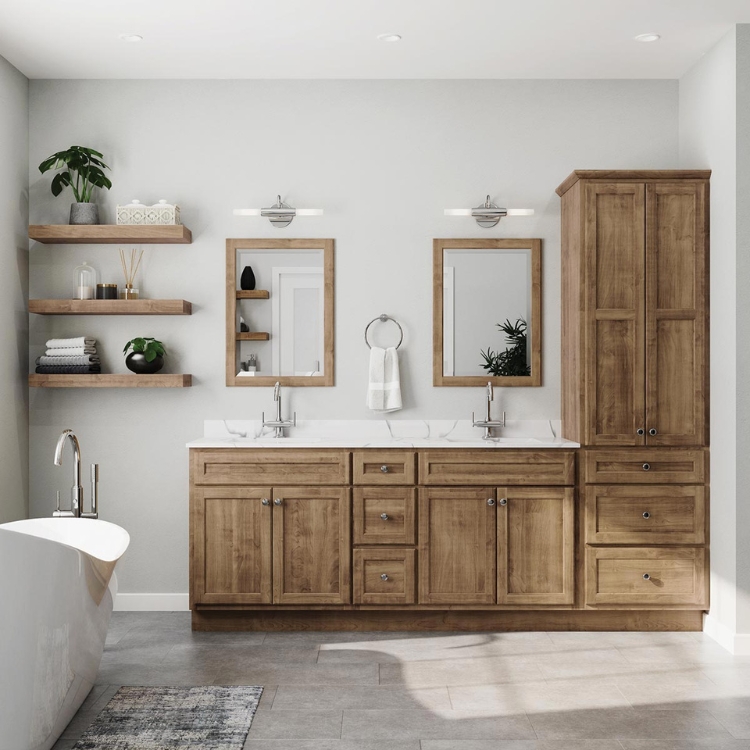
69, 357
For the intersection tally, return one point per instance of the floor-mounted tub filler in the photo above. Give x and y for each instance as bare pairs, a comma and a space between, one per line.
57, 588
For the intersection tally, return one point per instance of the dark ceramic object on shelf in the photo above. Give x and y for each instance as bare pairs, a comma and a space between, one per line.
136, 362
247, 280
84, 213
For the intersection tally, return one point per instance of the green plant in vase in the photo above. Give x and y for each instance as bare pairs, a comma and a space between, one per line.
513, 360
147, 356
82, 171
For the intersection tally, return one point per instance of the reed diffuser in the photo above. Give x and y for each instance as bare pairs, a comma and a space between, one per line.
130, 269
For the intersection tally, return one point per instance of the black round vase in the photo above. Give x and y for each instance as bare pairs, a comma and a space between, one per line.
136, 362
247, 280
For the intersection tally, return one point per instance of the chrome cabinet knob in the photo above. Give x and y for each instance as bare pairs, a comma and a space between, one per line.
646, 577
652, 431
384, 469
646, 467
503, 501
646, 514
277, 501
490, 501
640, 431
265, 501
384, 516
384, 576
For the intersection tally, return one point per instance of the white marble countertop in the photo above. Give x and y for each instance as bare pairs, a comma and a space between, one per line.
529, 434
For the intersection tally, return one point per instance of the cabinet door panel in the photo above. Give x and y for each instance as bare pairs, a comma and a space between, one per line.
457, 543
676, 326
232, 546
615, 328
311, 545
535, 545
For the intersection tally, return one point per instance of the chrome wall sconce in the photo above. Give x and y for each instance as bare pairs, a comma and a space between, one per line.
280, 215
488, 214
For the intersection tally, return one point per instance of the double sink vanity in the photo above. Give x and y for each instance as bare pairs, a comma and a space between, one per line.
596, 522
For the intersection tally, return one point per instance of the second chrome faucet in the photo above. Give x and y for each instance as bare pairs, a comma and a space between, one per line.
488, 423
279, 424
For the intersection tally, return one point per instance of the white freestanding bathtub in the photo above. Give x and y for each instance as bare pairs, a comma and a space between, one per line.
57, 587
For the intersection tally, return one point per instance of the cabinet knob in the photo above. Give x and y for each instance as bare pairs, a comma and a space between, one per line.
277, 501
652, 431
265, 501
490, 501
640, 431
384, 516
384, 576
384, 469
503, 501
646, 514
646, 467
646, 577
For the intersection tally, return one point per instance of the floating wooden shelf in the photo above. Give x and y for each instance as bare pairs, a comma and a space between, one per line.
254, 294
110, 307
253, 336
110, 381
110, 234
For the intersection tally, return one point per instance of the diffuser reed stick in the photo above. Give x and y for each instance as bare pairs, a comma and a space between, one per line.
130, 269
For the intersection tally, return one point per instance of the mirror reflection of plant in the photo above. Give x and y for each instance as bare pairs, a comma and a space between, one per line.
513, 360
85, 164
149, 347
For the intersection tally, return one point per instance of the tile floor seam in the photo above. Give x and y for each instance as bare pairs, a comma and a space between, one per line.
341, 727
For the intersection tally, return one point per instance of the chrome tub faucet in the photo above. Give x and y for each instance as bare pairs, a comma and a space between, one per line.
488, 423
279, 424
76, 493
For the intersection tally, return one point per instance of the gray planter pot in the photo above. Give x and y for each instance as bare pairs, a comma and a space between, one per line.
84, 213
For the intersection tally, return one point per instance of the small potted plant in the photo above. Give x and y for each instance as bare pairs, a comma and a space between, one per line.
147, 356
83, 171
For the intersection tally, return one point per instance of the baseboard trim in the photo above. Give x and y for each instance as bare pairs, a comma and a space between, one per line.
737, 644
152, 603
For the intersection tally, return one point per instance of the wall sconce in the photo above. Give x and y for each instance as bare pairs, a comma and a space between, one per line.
488, 215
281, 215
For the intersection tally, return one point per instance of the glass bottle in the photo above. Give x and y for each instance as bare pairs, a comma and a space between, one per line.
85, 281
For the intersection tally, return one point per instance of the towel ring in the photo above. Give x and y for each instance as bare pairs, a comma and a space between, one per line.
383, 318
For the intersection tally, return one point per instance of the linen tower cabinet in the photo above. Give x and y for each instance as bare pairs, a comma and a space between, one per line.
635, 382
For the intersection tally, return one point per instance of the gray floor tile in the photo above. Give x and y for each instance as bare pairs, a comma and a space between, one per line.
734, 714
299, 674
331, 745
238, 655
714, 744
521, 745
357, 697
679, 654
286, 725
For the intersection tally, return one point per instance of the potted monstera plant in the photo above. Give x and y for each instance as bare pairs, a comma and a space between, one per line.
82, 169
147, 356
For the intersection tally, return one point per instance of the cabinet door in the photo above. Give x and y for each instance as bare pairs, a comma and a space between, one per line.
676, 325
457, 545
615, 301
231, 538
311, 545
535, 545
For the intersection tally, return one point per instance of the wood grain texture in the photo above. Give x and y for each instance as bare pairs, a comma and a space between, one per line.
398, 565
110, 381
675, 576
253, 336
665, 466
110, 307
311, 545
110, 234
496, 467
535, 545
253, 294
399, 465
638, 515
457, 546
232, 545
535, 324
398, 503
637, 175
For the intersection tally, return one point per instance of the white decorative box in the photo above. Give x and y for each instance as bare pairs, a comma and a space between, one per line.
160, 213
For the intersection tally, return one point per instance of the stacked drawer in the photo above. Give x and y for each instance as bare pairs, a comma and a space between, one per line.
645, 527
385, 530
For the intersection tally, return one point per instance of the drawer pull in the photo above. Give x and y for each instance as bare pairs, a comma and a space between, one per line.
652, 431
265, 501
384, 469
646, 514
646, 467
384, 576
640, 431
384, 516
491, 502
646, 577
503, 501
277, 501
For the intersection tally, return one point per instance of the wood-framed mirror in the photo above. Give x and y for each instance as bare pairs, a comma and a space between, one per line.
279, 316
487, 312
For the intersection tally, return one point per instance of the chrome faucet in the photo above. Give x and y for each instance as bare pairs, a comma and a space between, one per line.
279, 424
76, 493
488, 423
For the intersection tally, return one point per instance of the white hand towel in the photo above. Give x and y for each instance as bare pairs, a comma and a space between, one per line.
384, 389
71, 343
71, 351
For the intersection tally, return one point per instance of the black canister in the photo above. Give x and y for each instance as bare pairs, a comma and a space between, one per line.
106, 291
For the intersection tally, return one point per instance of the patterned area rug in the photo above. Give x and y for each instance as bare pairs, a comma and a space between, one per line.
167, 718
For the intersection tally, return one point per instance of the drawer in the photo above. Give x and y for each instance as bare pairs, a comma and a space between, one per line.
384, 576
646, 576
496, 466
397, 504
667, 514
384, 467
645, 466
250, 466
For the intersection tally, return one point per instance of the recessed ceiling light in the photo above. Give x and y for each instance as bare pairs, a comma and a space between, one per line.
131, 37
650, 37
389, 37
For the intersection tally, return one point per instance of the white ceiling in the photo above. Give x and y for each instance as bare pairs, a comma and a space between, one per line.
337, 38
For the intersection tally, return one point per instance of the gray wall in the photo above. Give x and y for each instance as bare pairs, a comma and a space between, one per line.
383, 158
14, 281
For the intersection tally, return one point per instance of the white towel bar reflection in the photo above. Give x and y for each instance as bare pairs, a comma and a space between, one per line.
383, 318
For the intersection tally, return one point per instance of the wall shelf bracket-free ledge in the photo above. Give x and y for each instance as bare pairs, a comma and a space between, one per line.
111, 234
110, 381
110, 307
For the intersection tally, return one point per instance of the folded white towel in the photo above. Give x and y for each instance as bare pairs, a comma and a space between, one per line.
384, 388
71, 351
71, 343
